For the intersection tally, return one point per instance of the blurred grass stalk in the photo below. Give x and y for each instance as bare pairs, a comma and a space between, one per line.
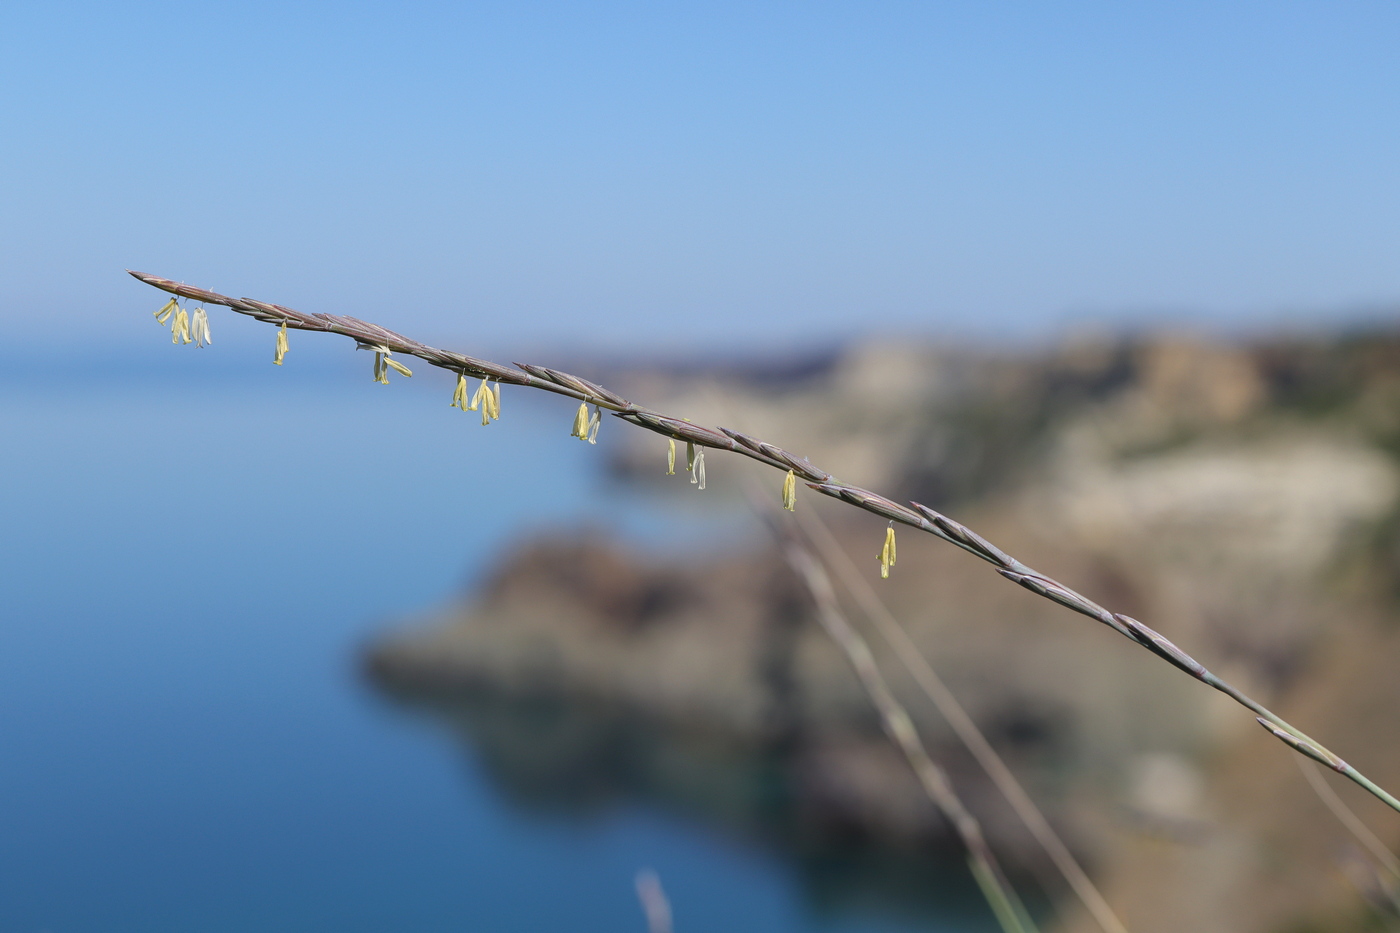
373, 337
1010, 912
655, 905
957, 717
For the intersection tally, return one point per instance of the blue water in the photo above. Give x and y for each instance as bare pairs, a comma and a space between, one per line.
196, 545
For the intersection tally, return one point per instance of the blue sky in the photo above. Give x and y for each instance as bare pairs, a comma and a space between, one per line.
688, 174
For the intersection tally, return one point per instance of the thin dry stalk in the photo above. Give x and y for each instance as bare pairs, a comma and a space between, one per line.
1348, 818
655, 904
900, 728
915, 515
962, 724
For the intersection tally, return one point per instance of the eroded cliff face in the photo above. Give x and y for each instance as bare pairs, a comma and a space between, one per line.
1240, 499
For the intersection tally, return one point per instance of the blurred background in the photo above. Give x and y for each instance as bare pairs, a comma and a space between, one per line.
284, 649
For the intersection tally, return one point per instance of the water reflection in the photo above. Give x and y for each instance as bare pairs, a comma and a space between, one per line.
576, 759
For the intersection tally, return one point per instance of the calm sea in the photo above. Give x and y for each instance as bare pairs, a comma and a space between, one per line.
196, 546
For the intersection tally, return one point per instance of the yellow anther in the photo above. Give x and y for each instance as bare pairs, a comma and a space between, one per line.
459, 395
790, 491
180, 329
281, 349
671, 457
887, 553
482, 394
167, 309
383, 361
580, 430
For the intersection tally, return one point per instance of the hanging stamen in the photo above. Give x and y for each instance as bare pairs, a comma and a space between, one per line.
281, 349
482, 401
671, 457
180, 328
580, 429
790, 491
383, 362
887, 553
459, 394
199, 327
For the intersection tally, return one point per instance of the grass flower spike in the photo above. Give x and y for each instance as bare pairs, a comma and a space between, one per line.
671, 457
887, 553
790, 491
199, 327
459, 395
580, 430
180, 328
369, 336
